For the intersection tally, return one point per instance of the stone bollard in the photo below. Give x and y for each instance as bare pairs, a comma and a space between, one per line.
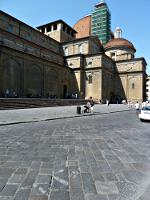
78, 109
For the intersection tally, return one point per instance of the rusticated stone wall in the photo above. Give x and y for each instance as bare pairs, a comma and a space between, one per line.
30, 76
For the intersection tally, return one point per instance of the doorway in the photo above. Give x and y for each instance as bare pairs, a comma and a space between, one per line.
65, 92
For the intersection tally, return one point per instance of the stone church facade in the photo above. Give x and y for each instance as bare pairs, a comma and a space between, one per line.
51, 62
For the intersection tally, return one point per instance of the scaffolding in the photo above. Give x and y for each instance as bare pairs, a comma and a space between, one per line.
101, 22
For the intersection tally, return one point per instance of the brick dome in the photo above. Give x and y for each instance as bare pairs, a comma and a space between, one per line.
83, 27
119, 42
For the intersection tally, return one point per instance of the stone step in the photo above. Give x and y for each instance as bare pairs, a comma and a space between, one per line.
19, 103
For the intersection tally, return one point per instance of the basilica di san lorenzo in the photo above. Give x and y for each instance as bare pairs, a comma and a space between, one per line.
58, 61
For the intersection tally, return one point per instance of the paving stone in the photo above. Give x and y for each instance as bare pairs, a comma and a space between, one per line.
60, 177
120, 177
110, 177
22, 194
57, 195
106, 188
96, 174
90, 157
126, 159
134, 176
71, 153
36, 197
40, 189
72, 163
121, 185
75, 180
21, 171
75, 177
98, 155
30, 179
84, 168
60, 184
116, 166
96, 197
6, 172
6, 198
16, 179
60, 165
81, 156
9, 190
35, 165
88, 183
104, 167
143, 167
112, 158
129, 191
48, 165
4, 158
45, 179
113, 197
26, 164
45, 171
143, 198
3, 182
76, 194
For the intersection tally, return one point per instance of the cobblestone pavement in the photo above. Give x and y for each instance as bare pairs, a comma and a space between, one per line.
99, 157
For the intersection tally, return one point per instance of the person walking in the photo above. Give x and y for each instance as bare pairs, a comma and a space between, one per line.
137, 106
107, 102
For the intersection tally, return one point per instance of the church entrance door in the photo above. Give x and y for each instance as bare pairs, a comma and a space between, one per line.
65, 91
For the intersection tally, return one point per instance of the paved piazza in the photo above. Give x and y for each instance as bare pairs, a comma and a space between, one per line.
97, 157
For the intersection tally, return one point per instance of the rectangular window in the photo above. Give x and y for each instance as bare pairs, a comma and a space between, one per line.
66, 51
49, 29
113, 55
68, 30
64, 27
80, 48
55, 27
72, 34
43, 30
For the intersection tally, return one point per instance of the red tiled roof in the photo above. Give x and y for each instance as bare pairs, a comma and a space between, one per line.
119, 42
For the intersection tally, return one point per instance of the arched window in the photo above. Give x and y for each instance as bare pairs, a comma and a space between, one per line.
133, 86
66, 51
90, 79
10, 28
80, 48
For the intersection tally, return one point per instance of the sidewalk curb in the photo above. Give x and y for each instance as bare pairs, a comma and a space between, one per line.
59, 118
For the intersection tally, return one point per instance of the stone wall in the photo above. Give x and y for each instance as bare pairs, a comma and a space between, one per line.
30, 76
73, 48
89, 45
60, 36
131, 76
120, 54
107, 79
18, 28
11, 41
74, 62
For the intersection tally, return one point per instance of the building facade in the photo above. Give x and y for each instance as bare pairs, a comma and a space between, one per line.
51, 62
148, 88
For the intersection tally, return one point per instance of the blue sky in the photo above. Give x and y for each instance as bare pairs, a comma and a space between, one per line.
131, 15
